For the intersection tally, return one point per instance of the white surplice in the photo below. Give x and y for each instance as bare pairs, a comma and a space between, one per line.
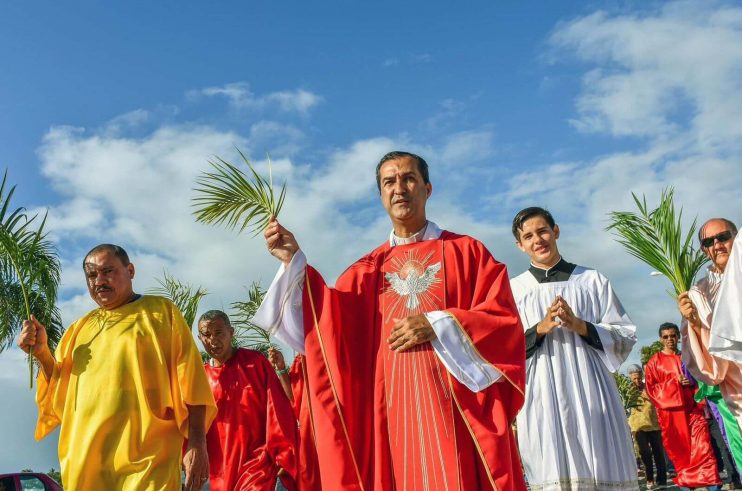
572, 430
726, 328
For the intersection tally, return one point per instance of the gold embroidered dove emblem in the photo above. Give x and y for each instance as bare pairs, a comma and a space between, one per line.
414, 283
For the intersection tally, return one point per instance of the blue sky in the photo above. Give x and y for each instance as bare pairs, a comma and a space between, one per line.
108, 112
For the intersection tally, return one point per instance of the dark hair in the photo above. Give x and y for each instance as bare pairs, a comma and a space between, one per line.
730, 224
526, 214
212, 315
117, 251
667, 326
422, 166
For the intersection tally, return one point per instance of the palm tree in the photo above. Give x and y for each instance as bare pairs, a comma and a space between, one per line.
227, 196
656, 238
248, 334
29, 274
184, 296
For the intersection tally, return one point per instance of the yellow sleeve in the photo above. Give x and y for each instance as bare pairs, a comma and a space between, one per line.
54, 389
189, 386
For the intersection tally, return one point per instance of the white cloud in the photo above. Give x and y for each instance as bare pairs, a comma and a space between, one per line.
241, 97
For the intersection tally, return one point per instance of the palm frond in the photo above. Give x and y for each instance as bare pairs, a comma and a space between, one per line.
227, 196
630, 395
186, 297
29, 271
246, 333
656, 238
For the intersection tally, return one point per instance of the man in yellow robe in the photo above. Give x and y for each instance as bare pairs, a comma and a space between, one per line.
126, 384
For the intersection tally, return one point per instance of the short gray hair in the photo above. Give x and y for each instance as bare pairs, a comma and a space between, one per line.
635, 369
213, 315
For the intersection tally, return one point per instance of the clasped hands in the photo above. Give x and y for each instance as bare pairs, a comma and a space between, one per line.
560, 313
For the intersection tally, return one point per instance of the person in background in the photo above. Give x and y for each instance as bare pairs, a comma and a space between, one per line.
646, 431
685, 433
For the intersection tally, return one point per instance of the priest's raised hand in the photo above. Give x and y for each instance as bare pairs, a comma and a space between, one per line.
280, 242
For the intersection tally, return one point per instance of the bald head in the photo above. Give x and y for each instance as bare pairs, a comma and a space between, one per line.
716, 236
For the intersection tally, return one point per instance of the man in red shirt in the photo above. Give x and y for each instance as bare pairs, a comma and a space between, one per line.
253, 438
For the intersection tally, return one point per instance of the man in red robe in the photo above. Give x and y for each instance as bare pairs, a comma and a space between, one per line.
253, 438
685, 433
414, 360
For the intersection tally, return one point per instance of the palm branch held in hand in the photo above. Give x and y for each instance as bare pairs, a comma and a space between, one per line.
227, 196
656, 238
29, 274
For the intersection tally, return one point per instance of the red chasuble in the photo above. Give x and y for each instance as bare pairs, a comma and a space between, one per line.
308, 466
685, 433
254, 433
387, 420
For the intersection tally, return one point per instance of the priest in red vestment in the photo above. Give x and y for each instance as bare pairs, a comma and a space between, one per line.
414, 360
685, 433
252, 441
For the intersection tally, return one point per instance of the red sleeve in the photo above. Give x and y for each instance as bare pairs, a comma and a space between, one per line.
280, 424
486, 311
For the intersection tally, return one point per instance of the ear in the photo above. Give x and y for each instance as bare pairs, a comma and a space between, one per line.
520, 246
429, 189
130, 268
556, 231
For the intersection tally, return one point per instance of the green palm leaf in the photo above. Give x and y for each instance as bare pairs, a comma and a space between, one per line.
184, 296
246, 333
630, 395
656, 237
29, 273
227, 196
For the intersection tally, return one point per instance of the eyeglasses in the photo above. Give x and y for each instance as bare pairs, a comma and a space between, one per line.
721, 237
668, 336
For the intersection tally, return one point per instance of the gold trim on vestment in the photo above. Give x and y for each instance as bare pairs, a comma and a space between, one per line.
332, 382
473, 437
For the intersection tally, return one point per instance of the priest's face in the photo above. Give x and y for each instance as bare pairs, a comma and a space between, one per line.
539, 241
216, 336
404, 193
109, 280
719, 250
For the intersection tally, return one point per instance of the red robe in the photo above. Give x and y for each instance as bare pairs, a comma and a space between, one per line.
254, 433
685, 432
400, 421
308, 465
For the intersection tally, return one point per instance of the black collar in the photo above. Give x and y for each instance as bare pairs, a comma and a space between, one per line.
561, 271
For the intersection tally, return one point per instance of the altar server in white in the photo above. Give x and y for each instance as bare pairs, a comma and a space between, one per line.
572, 430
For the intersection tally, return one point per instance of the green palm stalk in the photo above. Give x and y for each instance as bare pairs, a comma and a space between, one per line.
184, 296
29, 274
246, 333
227, 196
630, 395
656, 238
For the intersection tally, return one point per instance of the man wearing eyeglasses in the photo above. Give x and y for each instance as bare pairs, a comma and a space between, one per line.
685, 433
720, 380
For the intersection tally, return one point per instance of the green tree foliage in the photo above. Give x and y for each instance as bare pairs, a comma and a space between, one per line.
226, 196
186, 297
656, 238
246, 333
54, 474
29, 274
648, 351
